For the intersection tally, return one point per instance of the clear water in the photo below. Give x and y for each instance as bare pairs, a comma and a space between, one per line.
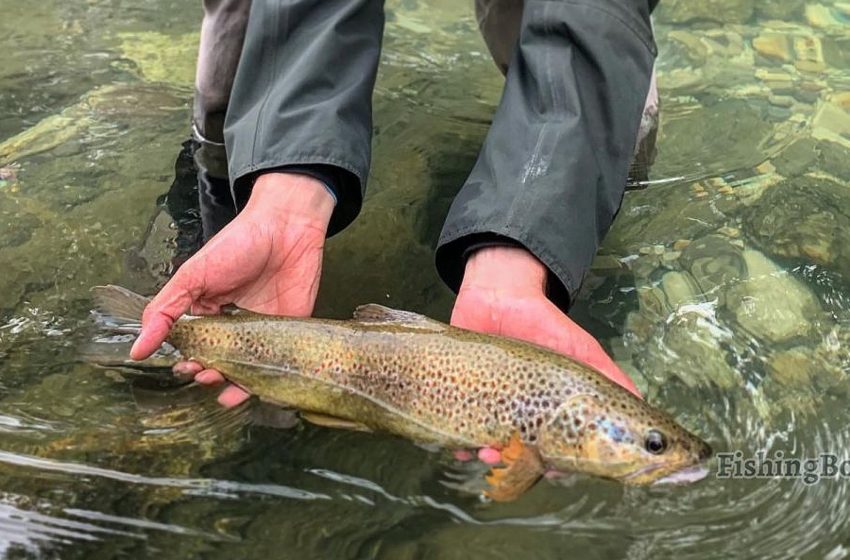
722, 288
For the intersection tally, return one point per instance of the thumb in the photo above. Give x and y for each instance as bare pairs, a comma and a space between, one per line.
172, 301
582, 346
612, 371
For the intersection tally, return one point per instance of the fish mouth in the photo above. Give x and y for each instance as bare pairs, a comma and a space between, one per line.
691, 473
684, 476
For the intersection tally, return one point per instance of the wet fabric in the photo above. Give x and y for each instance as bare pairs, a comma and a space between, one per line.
303, 94
552, 170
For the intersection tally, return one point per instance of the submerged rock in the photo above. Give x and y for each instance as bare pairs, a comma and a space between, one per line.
773, 46
779, 9
157, 57
112, 106
715, 262
690, 346
770, 303
832, 122
806, 218
721, 11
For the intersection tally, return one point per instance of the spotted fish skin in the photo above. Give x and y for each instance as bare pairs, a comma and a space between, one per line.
403, 373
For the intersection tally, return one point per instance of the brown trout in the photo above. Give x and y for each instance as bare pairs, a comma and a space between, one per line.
403, 373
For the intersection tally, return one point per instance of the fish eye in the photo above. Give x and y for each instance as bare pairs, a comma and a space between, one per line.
655, 442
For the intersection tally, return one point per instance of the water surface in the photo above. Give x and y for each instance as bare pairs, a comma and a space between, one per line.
722, 289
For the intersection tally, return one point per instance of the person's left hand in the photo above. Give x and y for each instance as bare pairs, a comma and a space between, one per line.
504, 293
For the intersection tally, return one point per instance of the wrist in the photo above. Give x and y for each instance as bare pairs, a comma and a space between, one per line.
505, 270
295, 195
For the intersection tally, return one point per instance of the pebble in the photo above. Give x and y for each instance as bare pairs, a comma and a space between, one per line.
772, 75
774, 46
822, 16
841, 99
781, 100
729, 231
805, 96
680, 244
692, 46
778, 113
766, 168
670, 256
811, 86
809, 54
831, 122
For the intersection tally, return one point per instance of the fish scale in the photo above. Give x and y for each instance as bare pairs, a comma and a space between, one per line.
409, 375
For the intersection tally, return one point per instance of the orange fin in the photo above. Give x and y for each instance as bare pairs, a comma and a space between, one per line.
333, 422
522, 469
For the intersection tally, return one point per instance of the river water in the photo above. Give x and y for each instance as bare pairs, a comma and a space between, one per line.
722, 289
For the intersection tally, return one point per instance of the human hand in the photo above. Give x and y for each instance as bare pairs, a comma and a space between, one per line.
504, 293
267, 260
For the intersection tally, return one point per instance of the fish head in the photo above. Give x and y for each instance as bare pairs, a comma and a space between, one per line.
624, 439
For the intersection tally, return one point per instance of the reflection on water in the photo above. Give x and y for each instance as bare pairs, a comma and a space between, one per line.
722, 289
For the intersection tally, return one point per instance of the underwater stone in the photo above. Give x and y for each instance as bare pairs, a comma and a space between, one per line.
773, 46
715, 263
770, 303
809, 54
805, 218
779, 9
834, 158
781, 100
680, 288
822, 16
681, 244
692, 349
797, 157
162, 58
721, 11
792, 368
832, 122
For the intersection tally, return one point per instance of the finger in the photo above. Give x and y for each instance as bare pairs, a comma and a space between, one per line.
204, 308
599, 359
165, 308
613, 372
582, 346
489, 456
232, 396
209, 377
463, 455
187, 368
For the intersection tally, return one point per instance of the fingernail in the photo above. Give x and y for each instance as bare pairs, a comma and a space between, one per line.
205, 377
134, 350
489, 455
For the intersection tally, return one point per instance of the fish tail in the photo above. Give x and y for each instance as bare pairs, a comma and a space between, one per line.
119, 309
118, 316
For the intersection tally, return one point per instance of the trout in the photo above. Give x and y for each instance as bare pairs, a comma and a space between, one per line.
403, 373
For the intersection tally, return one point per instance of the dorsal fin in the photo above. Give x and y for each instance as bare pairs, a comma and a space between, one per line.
374, 313
232, 309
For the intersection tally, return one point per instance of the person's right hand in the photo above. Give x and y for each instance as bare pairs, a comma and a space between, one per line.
267, 260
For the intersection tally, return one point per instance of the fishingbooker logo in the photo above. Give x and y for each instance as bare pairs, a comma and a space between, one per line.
810, 470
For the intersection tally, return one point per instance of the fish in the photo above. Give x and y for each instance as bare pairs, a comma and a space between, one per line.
400, 372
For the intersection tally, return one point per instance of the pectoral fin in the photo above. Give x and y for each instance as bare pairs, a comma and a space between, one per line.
374, 313
333, 422
522, 469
